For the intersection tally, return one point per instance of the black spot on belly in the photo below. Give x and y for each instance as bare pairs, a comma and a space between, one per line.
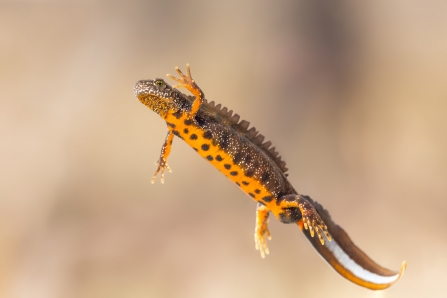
257, 191
234, 173
205, 147
193, 137
245, 183
238, 184
175, 132
186, 131
170, 124
178, 114
197, 150
227, 166
265, 177
267, 199
208, 135
188, 122
219, 158
209, 157
251, 195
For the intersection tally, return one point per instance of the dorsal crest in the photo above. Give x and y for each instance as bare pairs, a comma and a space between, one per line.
242, 126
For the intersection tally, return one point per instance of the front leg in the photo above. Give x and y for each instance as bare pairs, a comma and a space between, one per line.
261, 229
162, 161
188, 83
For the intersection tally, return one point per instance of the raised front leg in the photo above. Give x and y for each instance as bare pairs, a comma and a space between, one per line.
290, 204
261, 229
162, 161
188, 83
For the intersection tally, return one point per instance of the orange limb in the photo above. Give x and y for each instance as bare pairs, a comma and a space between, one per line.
162, 161
188, 83
262, 214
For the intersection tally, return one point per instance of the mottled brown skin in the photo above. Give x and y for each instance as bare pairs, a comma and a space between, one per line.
230, 151
238, 152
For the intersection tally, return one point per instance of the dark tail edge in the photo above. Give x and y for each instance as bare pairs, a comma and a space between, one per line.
347, 259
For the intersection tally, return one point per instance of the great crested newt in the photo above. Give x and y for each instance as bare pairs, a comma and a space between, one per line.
241, 154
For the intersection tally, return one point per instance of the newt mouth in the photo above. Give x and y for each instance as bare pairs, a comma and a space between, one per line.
142, 87
156, 88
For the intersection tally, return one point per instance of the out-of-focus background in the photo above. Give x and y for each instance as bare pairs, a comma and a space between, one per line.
352, 93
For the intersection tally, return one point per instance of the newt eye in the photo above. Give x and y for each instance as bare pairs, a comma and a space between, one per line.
159, 83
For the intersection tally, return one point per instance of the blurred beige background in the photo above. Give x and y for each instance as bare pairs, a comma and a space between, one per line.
353, 95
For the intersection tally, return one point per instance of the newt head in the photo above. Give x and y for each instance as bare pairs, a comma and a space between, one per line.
160, 96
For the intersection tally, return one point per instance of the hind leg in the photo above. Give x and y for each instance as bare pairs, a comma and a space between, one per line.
294, 208
262, 230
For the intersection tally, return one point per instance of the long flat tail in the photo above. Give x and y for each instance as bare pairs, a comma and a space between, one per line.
347, 259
